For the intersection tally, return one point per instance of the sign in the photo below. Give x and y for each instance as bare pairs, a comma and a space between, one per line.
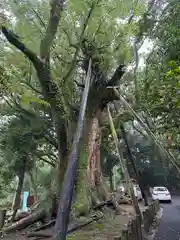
25, 197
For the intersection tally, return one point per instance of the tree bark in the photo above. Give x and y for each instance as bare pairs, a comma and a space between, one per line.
51, 92
17, 198
94, 173
2, 217
91, 189
111, 180
83, 201
25, 222
70, 176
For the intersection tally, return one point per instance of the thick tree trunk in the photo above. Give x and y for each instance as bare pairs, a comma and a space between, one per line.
94, 173
111, 180
91, 190
17, 198
83, 201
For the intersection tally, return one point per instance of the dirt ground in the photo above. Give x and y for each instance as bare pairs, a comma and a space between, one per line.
105, 229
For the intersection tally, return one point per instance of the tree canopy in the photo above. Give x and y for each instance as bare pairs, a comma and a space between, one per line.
46, 48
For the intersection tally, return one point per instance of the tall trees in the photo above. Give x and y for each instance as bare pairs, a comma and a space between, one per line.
160, 85
44, 70
83, 46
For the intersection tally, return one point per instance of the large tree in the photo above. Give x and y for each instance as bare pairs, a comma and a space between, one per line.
56, 43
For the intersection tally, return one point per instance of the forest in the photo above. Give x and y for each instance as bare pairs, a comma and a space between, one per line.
88, 98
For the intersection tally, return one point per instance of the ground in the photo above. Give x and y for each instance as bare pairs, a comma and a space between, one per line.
169, 228
105, 229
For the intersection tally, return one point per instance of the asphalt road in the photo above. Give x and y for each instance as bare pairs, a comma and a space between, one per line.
169, 228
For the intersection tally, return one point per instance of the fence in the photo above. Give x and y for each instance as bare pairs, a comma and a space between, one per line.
137, 226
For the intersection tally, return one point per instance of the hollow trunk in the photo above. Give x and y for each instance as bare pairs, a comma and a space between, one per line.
90, 187
17, 198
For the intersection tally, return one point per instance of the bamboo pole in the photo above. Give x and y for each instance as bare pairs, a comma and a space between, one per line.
123, 165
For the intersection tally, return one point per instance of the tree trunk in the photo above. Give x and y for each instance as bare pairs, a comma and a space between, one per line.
90, 188
94, 172
33, 184
2, 217
111, 180
83, 200
17, 198
25, 222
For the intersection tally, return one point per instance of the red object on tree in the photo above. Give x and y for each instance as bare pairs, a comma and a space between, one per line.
30, 201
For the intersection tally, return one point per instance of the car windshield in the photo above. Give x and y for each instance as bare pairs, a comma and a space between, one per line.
161, 189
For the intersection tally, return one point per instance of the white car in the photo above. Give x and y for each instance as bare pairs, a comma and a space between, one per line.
161, 194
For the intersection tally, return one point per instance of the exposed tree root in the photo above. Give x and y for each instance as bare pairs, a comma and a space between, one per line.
45, 226
39, 235
70, 230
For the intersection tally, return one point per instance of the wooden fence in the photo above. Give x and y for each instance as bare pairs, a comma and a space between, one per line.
137, 226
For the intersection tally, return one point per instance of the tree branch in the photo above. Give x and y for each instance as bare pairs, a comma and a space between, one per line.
15, 40
39, 18
79, 84
33, 88
132, 11
51, 140
91, 9
46, 161
117, 75
57, 6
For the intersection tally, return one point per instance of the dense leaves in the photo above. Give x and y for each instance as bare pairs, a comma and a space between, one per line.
112, 33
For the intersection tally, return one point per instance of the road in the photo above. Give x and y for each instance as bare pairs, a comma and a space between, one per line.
169, 228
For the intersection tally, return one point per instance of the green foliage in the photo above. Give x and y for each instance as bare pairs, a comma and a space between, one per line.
30, 129
161, 80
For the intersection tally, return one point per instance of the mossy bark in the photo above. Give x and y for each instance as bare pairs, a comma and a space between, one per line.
90, 188
83, 201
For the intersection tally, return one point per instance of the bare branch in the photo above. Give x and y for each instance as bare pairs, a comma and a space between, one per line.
132, 12
80, 40
39, 18
33, 88
15, 40
79, 84
46, 161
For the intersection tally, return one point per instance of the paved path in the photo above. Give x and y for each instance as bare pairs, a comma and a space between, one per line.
169, 228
